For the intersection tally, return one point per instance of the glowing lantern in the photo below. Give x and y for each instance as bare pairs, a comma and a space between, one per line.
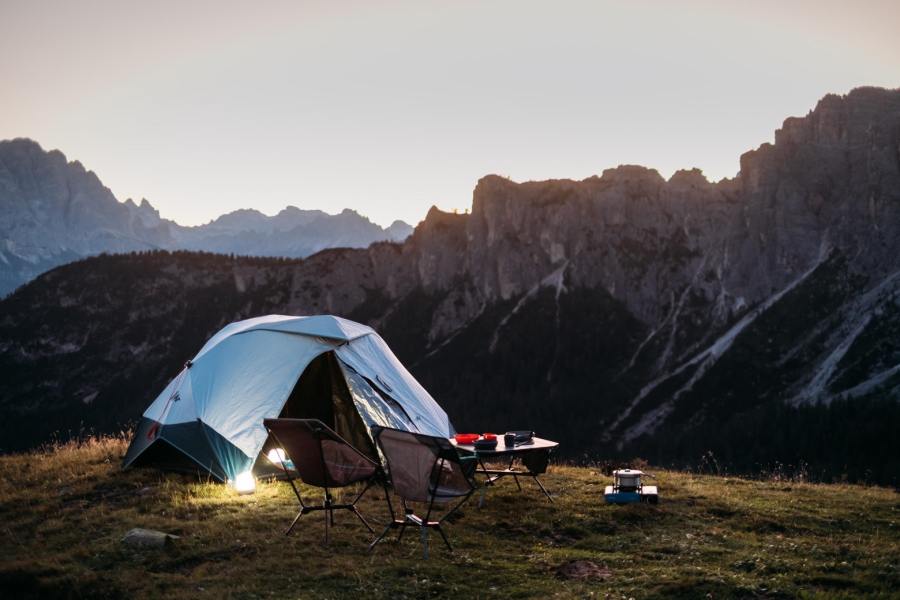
244, 483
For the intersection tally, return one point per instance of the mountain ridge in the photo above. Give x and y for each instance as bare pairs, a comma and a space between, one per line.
53, 210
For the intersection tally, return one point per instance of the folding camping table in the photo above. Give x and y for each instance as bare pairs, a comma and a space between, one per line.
503, 452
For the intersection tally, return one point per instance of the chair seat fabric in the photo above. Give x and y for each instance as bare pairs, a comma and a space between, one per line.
423, 468
321, 457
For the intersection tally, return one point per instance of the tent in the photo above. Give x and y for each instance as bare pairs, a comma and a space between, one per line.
209, 417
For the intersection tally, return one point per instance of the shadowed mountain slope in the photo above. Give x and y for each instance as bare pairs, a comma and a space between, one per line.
756, 317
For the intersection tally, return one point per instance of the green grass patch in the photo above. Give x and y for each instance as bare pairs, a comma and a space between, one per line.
64, 511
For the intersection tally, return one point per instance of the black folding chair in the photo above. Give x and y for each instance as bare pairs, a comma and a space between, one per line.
323, 459
425, 469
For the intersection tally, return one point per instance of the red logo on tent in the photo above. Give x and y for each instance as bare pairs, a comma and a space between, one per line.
173, 397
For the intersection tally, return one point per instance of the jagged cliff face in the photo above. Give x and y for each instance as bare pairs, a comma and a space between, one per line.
53, 211
622, 313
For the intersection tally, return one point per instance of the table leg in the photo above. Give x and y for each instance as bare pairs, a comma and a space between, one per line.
543, 489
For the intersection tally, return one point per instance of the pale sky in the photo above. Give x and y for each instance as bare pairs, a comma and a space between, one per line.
390, 107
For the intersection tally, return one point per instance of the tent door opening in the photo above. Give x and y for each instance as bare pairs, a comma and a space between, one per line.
321, 393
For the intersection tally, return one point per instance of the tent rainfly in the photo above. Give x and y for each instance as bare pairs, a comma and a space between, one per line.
209, 418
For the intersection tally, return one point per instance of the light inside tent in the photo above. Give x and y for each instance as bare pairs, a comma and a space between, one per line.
244, 483
276, 456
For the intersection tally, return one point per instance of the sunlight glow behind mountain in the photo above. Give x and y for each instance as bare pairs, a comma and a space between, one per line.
389, 108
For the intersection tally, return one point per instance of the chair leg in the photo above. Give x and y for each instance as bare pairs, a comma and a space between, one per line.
329, 501
458, 506
361, 518
407, 511
387, 499
294, 522
392, 523
383, 533
424, 524
443, 535
362, 493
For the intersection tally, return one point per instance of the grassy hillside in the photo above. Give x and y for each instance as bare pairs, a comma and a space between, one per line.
64, 512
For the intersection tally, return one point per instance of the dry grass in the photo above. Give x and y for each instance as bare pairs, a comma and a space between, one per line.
64, 511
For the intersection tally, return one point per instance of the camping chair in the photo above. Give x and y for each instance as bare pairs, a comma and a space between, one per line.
323, 459
426, 469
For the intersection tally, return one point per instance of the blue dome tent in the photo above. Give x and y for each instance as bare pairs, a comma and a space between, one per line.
209, 417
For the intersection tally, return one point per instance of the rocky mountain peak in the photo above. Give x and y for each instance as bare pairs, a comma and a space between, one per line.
54, 211
438, 221
242, 218
399, 230
631, 174
689, 178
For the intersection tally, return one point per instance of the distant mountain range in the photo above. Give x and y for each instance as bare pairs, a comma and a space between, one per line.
745, 323
53, 211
